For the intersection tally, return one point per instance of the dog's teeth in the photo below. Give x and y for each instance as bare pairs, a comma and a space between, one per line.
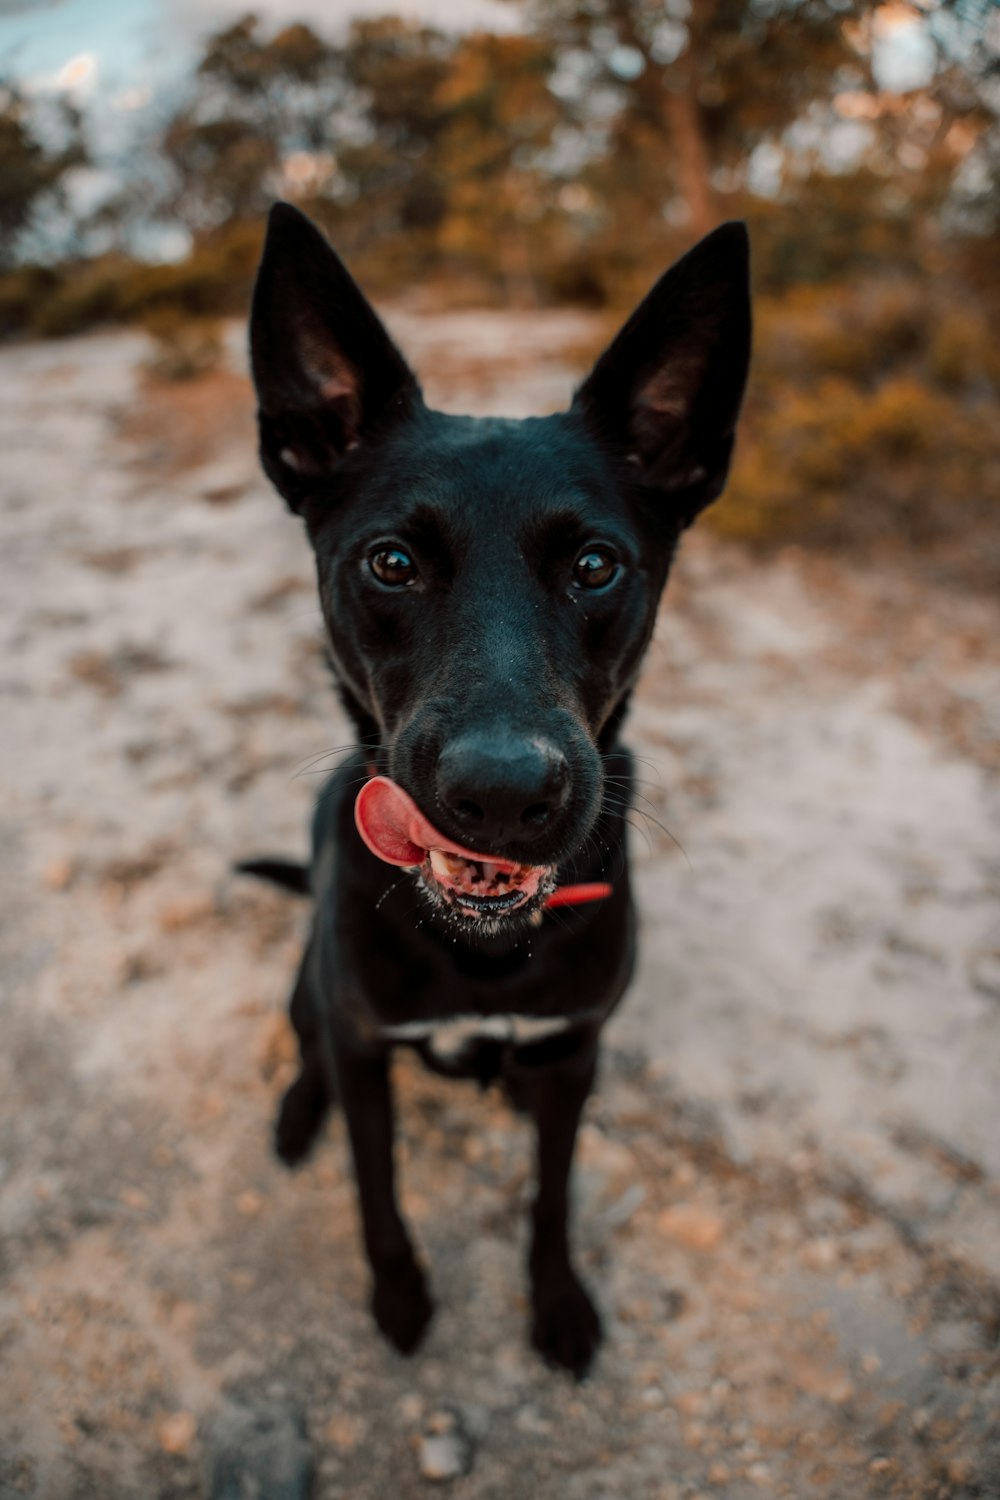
440, 864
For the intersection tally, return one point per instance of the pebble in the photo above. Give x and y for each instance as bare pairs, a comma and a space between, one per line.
411, 1407
344, 1431
690, 1225
58, 876
529, 1419
176, 1432
445, 1450
820, 1254
444, 1457
192, 911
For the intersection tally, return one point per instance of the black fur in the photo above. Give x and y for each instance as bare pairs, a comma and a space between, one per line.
491, 685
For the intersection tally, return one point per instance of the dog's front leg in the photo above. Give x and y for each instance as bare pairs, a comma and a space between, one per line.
565, 1325
400, 1302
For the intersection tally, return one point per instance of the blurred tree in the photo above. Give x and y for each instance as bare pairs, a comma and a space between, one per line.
260, 117
675, 98
35, 159
387, 179
498, 121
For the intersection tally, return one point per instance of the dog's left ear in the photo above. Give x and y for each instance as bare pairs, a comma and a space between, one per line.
666, 394
327, 374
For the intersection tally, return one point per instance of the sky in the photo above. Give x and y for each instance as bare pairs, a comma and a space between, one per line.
125, 47
136, 43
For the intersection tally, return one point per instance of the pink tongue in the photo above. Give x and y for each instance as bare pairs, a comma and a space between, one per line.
395, 829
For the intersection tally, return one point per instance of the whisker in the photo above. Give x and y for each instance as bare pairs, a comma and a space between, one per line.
388, 892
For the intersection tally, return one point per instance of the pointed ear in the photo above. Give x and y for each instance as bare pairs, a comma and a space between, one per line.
666, 394
327, 374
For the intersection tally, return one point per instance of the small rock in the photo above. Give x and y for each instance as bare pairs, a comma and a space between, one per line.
445, 1450
529, 1419
191, 911
344, 1431
820, 1254
444, 1457
176, 1432
691, 1225
443, 1421
411, 1407
58, 876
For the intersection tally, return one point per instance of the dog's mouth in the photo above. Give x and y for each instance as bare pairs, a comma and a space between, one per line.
477, 887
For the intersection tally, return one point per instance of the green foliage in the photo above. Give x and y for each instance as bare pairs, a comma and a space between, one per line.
83, 295
56, 301
574, 159
872, 423
23, 293
30, 169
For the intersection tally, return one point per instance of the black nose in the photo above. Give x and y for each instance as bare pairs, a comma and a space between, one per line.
502, 788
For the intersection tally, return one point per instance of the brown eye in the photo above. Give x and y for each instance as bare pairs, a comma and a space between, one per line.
595, 569
393, 567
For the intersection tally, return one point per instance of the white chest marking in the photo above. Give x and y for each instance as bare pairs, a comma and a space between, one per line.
449, 1038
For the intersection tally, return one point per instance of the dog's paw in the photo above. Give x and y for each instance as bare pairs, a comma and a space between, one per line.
401, 1303
566, 1330
300, 1115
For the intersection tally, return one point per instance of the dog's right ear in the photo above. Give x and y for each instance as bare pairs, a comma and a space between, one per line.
327, 374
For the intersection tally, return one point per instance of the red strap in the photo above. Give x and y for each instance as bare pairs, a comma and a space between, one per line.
576, 895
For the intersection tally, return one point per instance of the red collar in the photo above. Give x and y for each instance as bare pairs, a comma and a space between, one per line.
576, 895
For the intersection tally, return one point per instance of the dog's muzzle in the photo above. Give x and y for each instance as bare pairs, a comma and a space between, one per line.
476, 885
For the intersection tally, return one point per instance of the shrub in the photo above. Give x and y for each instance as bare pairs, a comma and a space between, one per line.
183, 347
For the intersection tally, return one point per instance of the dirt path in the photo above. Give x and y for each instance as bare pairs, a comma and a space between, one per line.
788, 1195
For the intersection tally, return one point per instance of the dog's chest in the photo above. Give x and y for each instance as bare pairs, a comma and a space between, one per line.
448, 1039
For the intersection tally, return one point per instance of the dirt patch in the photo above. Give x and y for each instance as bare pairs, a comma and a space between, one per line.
787, 1196
177, 426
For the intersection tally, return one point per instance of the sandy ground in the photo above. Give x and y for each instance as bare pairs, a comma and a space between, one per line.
788, 1194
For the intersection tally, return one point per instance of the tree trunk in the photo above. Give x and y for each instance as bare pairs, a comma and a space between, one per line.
692, 160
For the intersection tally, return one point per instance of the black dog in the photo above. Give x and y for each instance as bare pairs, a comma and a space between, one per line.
489, 588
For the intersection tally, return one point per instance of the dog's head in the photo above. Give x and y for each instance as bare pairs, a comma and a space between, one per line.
489, 586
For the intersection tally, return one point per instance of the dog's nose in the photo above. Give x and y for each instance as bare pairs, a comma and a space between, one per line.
502, 788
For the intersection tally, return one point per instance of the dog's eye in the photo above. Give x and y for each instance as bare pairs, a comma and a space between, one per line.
595, 569
393, 567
